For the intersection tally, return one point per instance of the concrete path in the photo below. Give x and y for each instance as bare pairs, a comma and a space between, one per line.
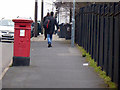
58, 67
7, 54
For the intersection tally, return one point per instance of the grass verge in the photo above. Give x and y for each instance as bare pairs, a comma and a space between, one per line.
97, 69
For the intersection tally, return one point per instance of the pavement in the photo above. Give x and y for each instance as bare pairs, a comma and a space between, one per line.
7, 54
58, 67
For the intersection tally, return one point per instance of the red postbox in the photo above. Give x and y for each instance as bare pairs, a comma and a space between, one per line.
22, 34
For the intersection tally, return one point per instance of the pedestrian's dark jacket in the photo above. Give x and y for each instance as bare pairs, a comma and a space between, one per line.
45, 33
45, 18
39, 28
53, 22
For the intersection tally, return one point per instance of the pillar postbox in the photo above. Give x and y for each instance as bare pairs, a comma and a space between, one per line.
22, 34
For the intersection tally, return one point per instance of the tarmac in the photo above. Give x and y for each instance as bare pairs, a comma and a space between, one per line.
58, 67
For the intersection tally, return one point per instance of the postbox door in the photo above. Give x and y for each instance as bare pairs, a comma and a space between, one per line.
22, 43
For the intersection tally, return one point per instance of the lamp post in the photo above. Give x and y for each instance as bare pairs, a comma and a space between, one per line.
73, 26
41, 10
35, 25
42, 7
58, 16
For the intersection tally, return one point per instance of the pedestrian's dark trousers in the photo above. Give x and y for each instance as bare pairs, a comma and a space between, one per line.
45, 33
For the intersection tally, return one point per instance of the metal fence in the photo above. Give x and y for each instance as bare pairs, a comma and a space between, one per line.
98, 32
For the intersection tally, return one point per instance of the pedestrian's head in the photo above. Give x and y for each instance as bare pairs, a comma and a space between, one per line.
52, 13
48, 14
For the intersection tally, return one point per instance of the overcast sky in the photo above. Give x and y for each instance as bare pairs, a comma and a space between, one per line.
22, 8
25, 8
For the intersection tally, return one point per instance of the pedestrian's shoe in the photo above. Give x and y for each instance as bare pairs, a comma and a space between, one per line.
49, 45
44, 38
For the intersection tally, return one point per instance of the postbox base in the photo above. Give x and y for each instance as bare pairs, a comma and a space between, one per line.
21, 61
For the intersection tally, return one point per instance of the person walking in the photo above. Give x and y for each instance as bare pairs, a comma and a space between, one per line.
45, 29
51, 29
39, 28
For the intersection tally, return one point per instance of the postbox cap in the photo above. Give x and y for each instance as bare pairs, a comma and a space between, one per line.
22, 20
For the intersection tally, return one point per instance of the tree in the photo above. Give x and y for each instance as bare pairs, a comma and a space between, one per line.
68, 7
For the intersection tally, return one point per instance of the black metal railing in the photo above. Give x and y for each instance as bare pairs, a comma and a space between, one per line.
98, 32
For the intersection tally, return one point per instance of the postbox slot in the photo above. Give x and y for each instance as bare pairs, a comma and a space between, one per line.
22, 26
